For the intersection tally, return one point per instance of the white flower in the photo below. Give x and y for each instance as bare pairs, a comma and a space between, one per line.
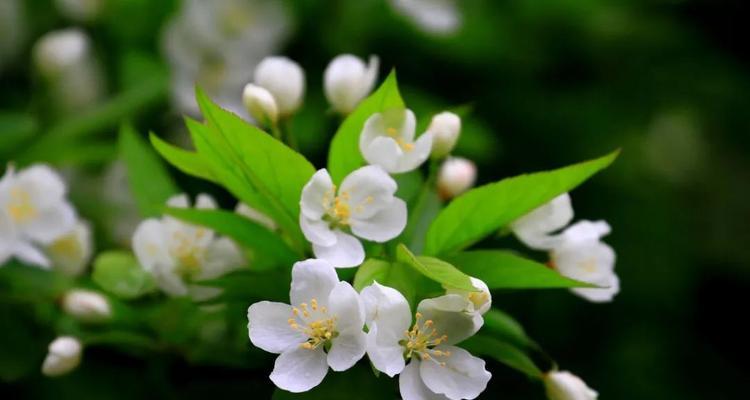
86, 305
456, 176
256, 216
71, 252
535, 228
260, 103
178, 254
64, 356
387, 140
436, 368
321, 328
477, 303
80, 10
582, 256
562, 385
34, 212
445, 128
347, 80
437, 17
285, 79
365, 205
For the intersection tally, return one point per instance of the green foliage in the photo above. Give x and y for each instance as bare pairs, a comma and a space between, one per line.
118, 273
15, 129
393, 274
504, 352
148, 178
435, 269
501, 269
246, 286
481, 211
344, 155
186, 161
504, 327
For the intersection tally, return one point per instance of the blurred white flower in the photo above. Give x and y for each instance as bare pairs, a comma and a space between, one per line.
256, 216
445, 128
365, 205
437, 17
321, 328
33, 212
285, 79
179, 255
347, 80
581, 255
536, 228
80, 10
436, 368
71, 252
387, 140
260, 104
65, 59
86, 305
217, 44
562, 385
456, 176
63, 356
13, 30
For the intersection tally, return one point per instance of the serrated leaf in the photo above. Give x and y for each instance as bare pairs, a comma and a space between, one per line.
435, 269
148, 178
344, 155
186, 161
484, 210
504, 352
501, 269
119, 273
242, 230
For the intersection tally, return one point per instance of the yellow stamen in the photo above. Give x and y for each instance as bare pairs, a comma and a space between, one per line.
20, 207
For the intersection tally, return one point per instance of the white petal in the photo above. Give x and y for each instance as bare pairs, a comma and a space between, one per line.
222, 256
179, 201
312, 279
367, 190
562, 385
386, 306
205, 201
591, 262
412, 159
347, 252
71, 253
344, 303
383, 226
405, 120
449, 317
44, 185
383, 151
603, 295
269, 329
317, 231
534, 228
462, 377
583, 232
384, 351
51, 223
317, 195
346, 349
29, 254
479, 302
411, 387
255, 216
299, 370
7, 237
373, 128
149, 245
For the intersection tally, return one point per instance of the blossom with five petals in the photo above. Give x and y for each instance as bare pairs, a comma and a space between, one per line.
387, 140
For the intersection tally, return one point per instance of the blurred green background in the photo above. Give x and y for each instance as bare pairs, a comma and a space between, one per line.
549, 83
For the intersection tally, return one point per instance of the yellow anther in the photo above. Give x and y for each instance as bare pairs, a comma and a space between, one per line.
20, 207
428, 323
418, 315
324, 310
369, 199
442, 364
391, 131
295, 311
314, 304
425, 356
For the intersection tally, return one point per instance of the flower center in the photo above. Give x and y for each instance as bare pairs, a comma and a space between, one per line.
421, 340
315, 323
404, 145
478, 298
20, 207
189, 255
67, 246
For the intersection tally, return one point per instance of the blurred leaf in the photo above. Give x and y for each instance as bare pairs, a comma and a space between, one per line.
504, 352
409, 185
395, 275
357, 382
422, 211
506, 328
27, 282
481, 211
186, 161
148, 178
244, 285
501, 269
244, 231
437, 270
344, 155
119, 273
15, 128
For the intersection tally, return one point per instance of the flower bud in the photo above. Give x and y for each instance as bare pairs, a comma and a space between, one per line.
86, 305
63, 356
285, 79
260, 104
347, 80
562, 385
456, 176
57, 51
445, 128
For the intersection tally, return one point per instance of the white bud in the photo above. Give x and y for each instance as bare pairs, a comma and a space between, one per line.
64, 355
86, 305
347, 80
285, 79
260, 104
445, 128
57, 51
562, 385
456, 176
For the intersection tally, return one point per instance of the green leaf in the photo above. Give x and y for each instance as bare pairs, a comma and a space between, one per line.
244, 231
148, 178
506, 328
244, 285
119, 273
391, 274
186, 161
15, 128
484, 210
504, 352
435, 269
344, 155
501, 269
